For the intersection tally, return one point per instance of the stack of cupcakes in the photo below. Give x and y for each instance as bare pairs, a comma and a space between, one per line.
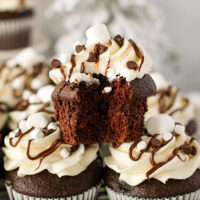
103, 92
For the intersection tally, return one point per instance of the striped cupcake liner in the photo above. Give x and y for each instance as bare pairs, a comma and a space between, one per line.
117, 196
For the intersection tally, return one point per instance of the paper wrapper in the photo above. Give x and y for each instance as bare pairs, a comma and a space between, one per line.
117, 196
15, 33
90, 194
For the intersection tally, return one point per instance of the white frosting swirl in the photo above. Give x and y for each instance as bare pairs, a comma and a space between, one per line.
18, 73
16, 5
135, 172
111, 63
60, 162
36, 102
182, 116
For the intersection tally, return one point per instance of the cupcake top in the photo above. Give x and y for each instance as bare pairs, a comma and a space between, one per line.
37, 146
32, 102
164, 152
27, 70
112, 57
169, 100
16, 5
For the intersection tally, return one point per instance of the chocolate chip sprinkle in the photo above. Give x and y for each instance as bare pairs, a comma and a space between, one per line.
99, 49
73, 63
189, 150
132, 65
80, 48
119, 40
93, 57
55, 63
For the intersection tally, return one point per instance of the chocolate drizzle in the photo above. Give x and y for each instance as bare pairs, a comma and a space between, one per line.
44, 153
19, 135
138, 52
107, 67
73, 63
82, 67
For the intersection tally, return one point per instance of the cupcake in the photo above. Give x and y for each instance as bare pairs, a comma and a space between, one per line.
171, 101
31, 102
102, 89
16, 21
163, 165
26, 71
39, 164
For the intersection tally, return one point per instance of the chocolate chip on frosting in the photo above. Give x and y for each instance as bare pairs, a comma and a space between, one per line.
80, 48
187, 149
132, 65
55, 63
99, 48
155, 142
93, 57
119, 40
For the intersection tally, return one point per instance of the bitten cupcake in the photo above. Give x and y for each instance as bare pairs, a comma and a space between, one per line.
40, 165
31, 102
163, 165
171, 101
16, 21
26, 71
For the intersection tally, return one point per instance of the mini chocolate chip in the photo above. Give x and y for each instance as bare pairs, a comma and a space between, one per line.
79, 48
194, 151
55, 63
155, 142
52, 119
187, 149
22, 105
93, 57
99, 49
132, 65
119, 40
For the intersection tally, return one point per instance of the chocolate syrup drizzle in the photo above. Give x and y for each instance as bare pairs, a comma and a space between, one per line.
73, 63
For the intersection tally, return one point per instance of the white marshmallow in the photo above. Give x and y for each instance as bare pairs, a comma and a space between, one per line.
107, 90
37, 133
26, 94
23, 126
34, 99
45, 93
97, 34
36, 83
160, 124
179, 129
167, 136
141, 145
52, 125
64, 153
38, 120
18, 83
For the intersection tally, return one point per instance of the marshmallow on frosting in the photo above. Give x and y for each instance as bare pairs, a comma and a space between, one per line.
110, 59
37, 139
169, 100
32, 103
177, 155
25, 70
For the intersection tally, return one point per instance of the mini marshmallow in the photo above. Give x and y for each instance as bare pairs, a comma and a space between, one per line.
97, 34
160, 124
64, 153
37, 133
36, 83
107, 90
23, 126
141, 145
34, 99
17, 83
38, 120
167, 136
26, 94
179, 129
45, 93
52, 125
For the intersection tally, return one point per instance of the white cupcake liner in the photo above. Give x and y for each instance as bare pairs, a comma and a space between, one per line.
117, 196
90, 194
20, 28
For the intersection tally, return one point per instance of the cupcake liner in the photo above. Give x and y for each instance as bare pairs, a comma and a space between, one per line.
15, 33
117, 196
90, 194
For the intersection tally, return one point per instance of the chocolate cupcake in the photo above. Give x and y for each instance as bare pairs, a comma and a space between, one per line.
102, 89
26, 71
39, 164
31, 102
171, 101
163, 165
16, 21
